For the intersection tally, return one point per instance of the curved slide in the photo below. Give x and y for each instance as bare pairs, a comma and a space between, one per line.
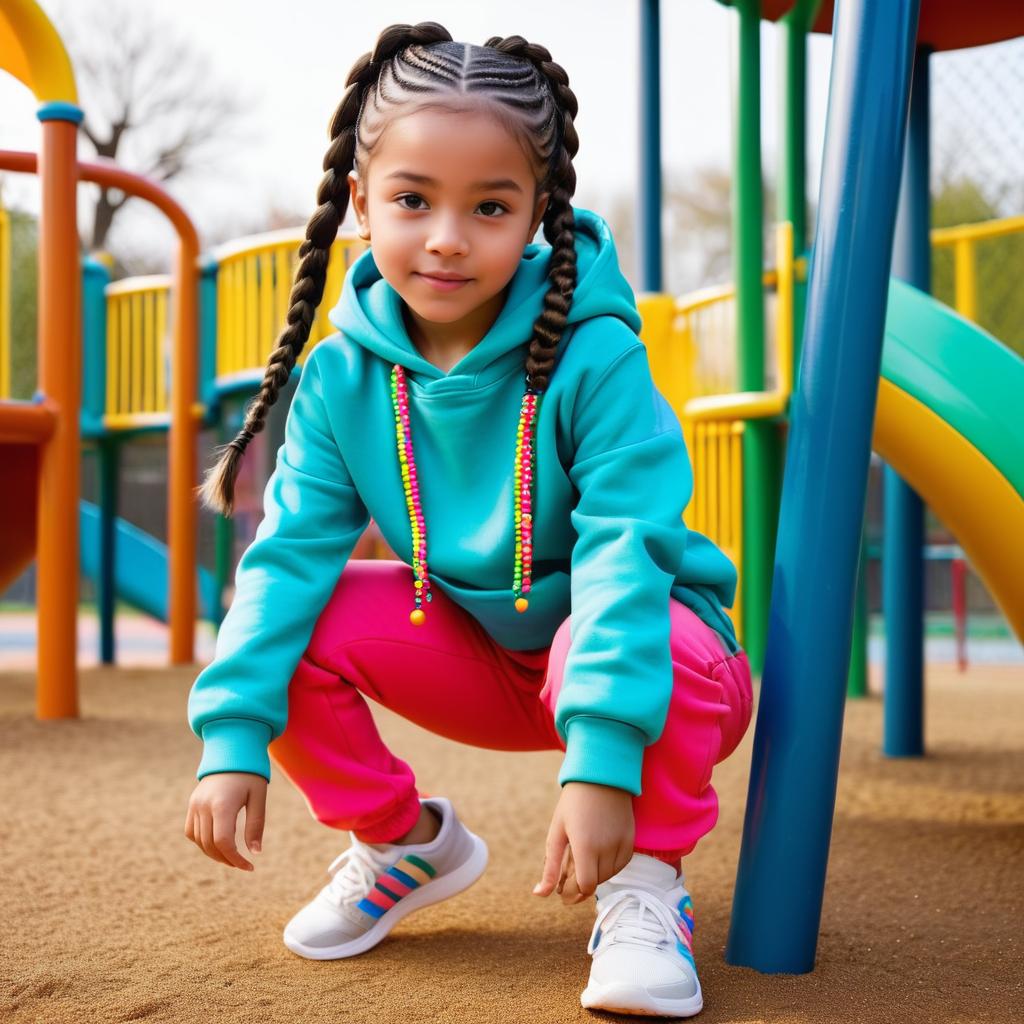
18, 518
949, 421
140, 570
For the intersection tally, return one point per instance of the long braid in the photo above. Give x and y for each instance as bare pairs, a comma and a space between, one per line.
559, 220
217, 490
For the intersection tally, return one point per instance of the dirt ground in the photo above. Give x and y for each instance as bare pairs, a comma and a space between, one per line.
111, 915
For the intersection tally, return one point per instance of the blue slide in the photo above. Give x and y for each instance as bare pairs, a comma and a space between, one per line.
141, 569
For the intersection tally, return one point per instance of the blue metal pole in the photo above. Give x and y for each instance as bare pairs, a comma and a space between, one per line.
902, 562
791, 797
649, 242
109, 472
95, 278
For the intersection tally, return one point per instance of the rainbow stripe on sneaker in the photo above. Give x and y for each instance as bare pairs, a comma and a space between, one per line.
408, 874
684, 941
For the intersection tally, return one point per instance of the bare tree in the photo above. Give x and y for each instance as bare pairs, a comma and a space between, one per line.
696, 219
151, 100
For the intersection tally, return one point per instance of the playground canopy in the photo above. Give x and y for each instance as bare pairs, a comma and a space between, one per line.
943, 24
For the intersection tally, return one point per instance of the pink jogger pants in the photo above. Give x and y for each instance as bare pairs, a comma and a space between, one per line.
451, 678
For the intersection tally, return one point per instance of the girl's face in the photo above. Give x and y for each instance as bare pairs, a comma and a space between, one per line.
451, 194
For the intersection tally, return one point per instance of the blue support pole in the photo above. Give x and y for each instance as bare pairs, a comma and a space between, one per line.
109, 472
903, 562
791, 797
95, 278
649, 242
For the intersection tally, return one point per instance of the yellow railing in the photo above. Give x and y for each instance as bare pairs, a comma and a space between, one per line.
963, 240
254, 282
699, 370
5, 304
692, 350
138, 355
691, 341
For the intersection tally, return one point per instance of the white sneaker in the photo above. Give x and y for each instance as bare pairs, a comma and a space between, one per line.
642, 944
373, 886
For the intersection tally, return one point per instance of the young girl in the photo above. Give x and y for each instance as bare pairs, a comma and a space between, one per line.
488, 403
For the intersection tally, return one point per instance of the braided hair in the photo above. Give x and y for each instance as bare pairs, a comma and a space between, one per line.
421, 65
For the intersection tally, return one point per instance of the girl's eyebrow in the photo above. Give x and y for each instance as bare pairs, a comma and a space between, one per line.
482, 186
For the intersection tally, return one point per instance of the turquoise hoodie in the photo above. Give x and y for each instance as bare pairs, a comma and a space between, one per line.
612, 479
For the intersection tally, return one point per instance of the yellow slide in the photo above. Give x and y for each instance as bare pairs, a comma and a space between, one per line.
950, 421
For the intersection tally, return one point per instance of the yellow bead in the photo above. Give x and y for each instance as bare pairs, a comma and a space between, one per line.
418, 617
522, 604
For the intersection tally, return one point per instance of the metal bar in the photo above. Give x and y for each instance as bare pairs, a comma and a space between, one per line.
795, 762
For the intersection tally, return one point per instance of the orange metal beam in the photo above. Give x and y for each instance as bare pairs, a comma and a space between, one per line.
182, 510
60, 379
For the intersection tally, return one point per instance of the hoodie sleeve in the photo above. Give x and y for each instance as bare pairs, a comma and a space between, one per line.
313, 517
634, 479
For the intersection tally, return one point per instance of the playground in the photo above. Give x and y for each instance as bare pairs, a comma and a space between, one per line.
107, 921
866, 864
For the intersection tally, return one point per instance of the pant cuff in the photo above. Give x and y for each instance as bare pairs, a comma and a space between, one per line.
396, 824
668, 856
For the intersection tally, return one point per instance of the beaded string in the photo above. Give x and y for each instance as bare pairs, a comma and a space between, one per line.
400, 401
525, 469
522, 498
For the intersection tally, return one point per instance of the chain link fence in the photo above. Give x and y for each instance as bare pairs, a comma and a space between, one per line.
977, 154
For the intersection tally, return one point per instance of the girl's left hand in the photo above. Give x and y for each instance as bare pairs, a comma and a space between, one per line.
590, 837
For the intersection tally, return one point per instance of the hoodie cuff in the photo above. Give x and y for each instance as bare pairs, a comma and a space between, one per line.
602, 751
235, 745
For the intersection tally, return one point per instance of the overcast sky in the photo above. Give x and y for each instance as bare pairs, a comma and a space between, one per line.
291, 59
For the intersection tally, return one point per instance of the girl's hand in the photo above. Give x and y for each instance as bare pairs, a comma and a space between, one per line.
213, 812
589, 840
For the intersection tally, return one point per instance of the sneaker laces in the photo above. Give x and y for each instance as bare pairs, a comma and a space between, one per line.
353, 873
635, 915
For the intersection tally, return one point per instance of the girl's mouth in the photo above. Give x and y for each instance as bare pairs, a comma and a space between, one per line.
443, 285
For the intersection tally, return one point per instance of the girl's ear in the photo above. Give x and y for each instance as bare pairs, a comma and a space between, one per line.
538, 213
359, 206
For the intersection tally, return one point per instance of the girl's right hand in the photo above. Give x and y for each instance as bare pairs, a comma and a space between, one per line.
213, 813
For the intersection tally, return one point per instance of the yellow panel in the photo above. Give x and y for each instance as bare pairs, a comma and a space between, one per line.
149, 350
281, 287
138, 323
124, 355
110, 405
268, 327
968, 493
161, 367
237, 316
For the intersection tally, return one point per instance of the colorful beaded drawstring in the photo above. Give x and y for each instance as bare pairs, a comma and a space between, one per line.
525, 468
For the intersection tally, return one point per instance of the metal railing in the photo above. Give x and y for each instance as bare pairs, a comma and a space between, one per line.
255, 279
138, 352
714, 427
963, 239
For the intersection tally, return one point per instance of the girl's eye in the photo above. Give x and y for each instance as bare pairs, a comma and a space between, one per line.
419, 199
412, 196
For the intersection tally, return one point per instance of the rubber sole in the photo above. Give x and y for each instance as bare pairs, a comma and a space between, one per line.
637, 1001
434, 891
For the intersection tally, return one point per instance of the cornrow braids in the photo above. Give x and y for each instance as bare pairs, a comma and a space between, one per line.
217, 490
559, 219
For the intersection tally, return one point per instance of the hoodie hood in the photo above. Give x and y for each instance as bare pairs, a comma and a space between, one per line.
369, 311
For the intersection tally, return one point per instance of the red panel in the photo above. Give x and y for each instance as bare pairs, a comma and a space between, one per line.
17, 510
944, 24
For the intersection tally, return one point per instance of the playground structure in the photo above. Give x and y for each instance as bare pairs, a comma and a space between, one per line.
934, 388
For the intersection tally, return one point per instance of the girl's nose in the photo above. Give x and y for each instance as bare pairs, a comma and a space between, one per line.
446, 237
